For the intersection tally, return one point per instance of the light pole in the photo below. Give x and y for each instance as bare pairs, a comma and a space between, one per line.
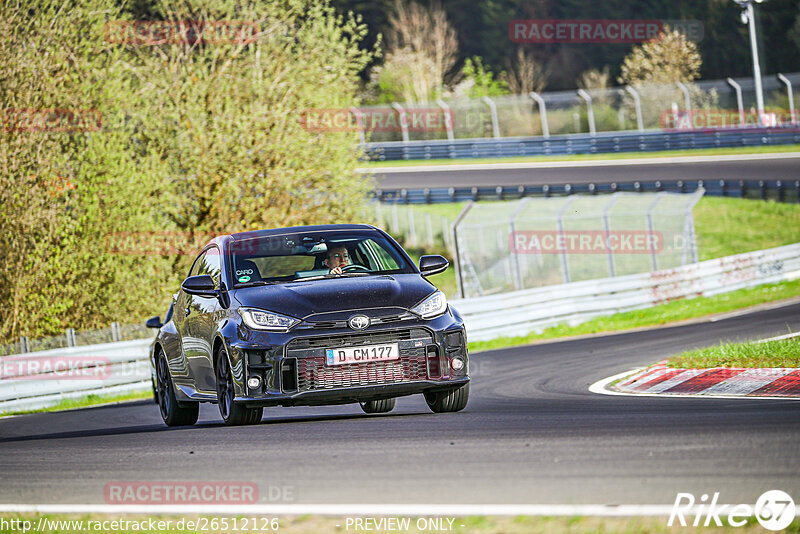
748, 17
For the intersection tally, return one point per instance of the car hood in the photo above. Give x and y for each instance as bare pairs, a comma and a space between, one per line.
302, 299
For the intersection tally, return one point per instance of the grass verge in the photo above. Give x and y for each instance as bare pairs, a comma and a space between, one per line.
658, 315
88, 400
319, 525
772, 149
778, 353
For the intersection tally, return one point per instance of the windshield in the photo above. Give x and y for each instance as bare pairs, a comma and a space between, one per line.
317, 255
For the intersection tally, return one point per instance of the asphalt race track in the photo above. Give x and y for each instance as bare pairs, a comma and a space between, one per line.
531, 434
762, 166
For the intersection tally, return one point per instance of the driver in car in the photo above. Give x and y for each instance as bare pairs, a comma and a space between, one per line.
336, 259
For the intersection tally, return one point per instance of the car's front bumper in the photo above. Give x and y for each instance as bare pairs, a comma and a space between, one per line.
292, 368
352, 394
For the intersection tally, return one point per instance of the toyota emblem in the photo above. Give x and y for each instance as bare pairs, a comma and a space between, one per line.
358, 322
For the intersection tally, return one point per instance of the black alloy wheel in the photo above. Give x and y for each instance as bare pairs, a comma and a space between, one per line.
173, 413
233, 413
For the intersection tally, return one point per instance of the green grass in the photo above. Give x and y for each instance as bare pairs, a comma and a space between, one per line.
771, 149
727, 226
778, 353
658, 315
88, 400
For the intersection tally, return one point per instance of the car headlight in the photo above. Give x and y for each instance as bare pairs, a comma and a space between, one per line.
265, 320
431, 307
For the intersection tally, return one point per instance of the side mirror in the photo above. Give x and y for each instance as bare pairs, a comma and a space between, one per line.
201, 285
430, 265
154, 322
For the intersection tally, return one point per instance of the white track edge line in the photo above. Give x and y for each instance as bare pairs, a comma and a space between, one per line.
600, 387
445, 167
459, 510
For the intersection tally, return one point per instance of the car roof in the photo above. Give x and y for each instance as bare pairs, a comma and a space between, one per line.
241, 236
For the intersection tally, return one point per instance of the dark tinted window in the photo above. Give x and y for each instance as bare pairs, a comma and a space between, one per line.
293, 257
211, 265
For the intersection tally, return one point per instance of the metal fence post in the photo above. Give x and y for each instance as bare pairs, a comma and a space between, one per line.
589, 110
412, 228
788, 83
560, 226
23, 344
518, 283
542, 113
493, 111
739, 105
448, 118
651, 230
637, 105
360, 123
70, 337
687, 104
429, 225
607, 227
116, 335
395, 219
401, 115
446, 235
687, 101
456, 256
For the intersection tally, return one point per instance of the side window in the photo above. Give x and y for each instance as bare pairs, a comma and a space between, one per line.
195, 270
211, 265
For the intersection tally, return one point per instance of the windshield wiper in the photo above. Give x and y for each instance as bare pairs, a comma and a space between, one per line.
328, 276
254, 284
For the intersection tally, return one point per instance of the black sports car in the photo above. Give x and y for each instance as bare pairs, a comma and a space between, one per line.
303, 316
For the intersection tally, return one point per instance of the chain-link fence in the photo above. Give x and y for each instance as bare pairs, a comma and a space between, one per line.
78, 338
413, 228
700, 105
536, 242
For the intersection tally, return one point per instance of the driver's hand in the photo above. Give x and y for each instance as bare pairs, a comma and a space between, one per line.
336, 270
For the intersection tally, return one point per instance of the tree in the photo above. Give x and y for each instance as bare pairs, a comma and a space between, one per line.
525, 74
421, 49
669, 58
197, 136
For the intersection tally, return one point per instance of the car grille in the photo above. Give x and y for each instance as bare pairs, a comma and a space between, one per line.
314, 374
385, 319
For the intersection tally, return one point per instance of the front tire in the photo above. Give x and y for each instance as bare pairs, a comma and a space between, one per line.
378, 406
233, 413
450, 400
172, 412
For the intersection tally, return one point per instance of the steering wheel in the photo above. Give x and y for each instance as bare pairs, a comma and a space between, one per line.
356, 267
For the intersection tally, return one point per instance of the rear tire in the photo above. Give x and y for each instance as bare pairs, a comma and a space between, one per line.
233, 413
450, 400
172, 412
378, 406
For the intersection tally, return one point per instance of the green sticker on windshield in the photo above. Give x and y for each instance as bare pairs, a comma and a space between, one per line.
244, 279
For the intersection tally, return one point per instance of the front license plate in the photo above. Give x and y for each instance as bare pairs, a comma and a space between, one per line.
365, 354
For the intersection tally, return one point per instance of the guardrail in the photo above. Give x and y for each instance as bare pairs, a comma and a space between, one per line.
41, 379
521, 312
779, 190
600, 143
